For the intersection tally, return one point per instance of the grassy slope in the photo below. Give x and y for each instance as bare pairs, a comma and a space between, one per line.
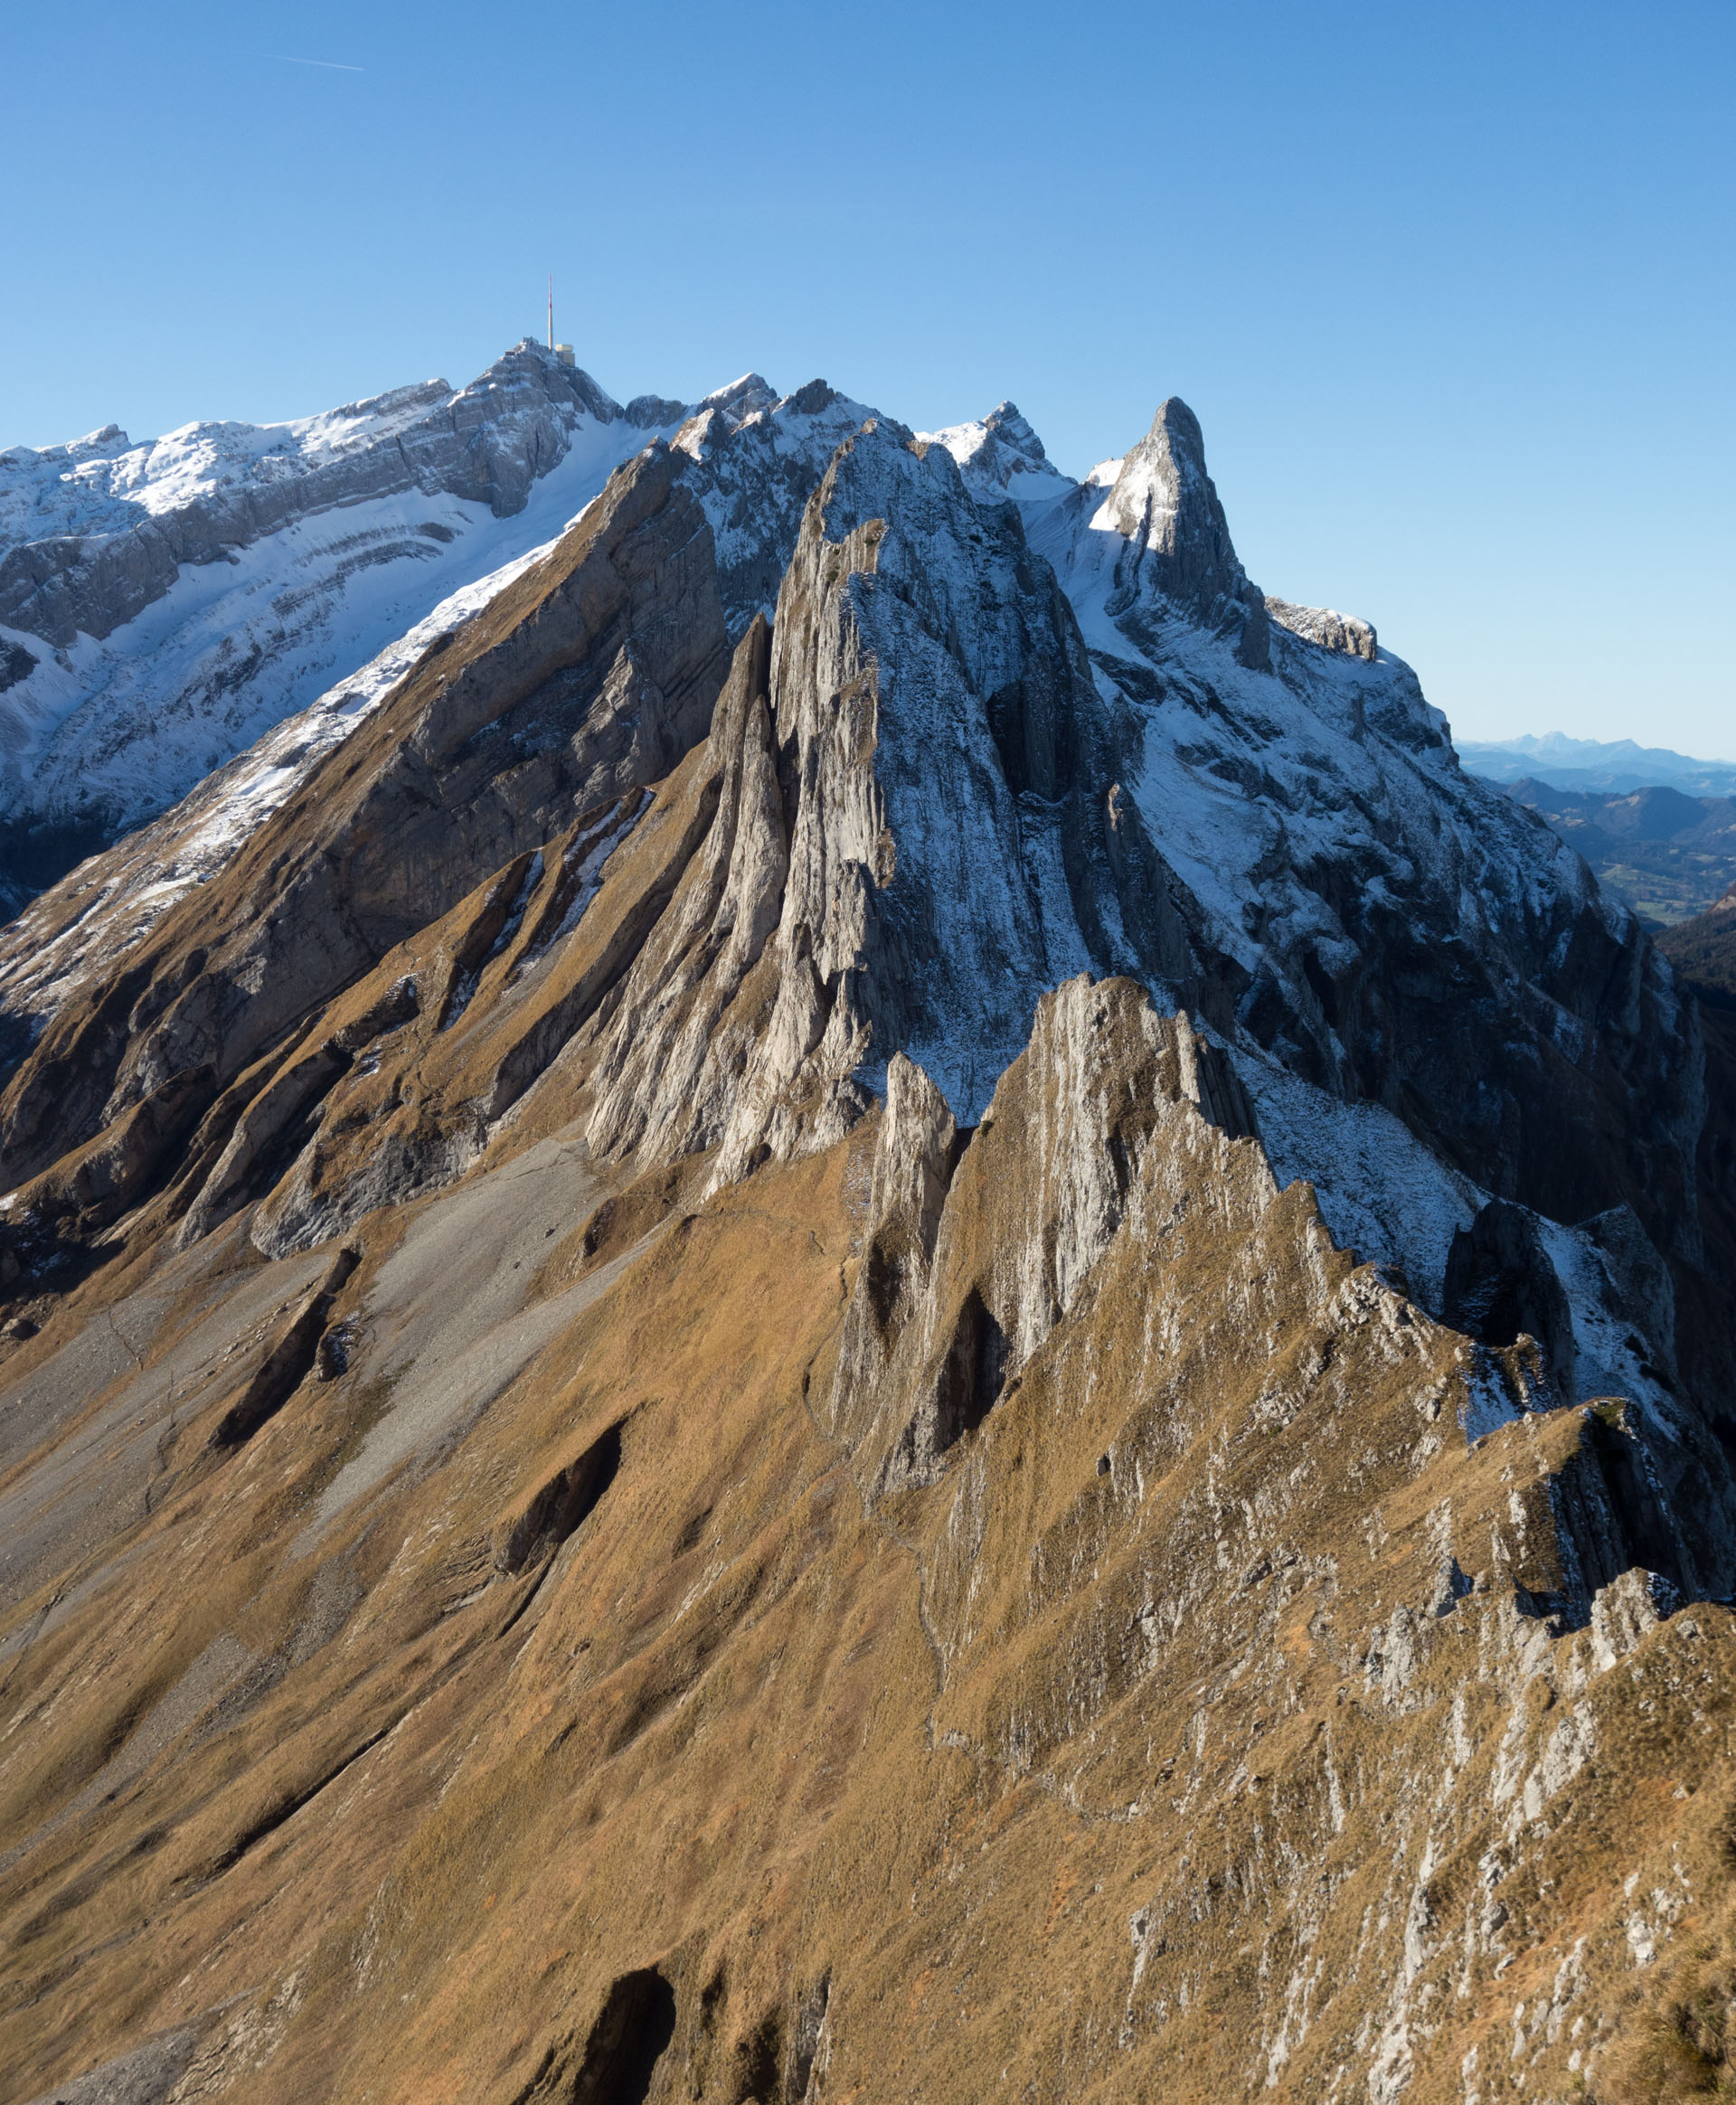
938, 1759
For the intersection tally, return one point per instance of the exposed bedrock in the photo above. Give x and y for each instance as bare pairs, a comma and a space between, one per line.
1177, 548
1331, 630
975, 1247
597, 670
919, 830
1377, 921
1501, 1285
886, 828
488, 442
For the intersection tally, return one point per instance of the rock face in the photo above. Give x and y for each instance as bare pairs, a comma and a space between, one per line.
969, 1265
595, 671
877, 1302
1177, 551
1320, 625
914, 908
759, 459
163, 605
94, 531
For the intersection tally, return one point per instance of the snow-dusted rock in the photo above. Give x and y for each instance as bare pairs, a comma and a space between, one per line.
944, 777
1000, 456
758, 458
1321, 625
164, 605
1002, 730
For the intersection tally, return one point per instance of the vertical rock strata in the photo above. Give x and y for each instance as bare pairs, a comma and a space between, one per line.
923, 799
684, 1413
954, 1298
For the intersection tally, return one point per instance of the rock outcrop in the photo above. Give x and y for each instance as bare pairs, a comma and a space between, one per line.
82, 554
880, 1304
971, 1259
1332, 631
1177, 553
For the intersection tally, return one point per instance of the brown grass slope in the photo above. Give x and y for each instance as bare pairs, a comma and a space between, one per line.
1212, 1721
508, 1590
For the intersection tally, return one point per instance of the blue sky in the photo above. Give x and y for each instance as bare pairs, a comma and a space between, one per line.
1450, 287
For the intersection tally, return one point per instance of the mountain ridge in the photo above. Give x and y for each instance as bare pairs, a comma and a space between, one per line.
1086, 843
160, 606
877, 1295
1618, 766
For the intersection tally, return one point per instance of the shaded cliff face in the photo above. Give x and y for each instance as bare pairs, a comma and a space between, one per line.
809, 1351
1702, 952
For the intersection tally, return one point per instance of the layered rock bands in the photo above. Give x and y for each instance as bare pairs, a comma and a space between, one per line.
885, 1309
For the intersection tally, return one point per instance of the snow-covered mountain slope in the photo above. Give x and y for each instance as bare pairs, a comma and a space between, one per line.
114, 898
757, 458
163, 605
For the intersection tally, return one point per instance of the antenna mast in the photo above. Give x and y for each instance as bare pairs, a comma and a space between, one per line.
551, 310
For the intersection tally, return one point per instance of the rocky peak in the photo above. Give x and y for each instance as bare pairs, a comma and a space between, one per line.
842, 1180
533, 371
969, 1263
1000, 456
1011, 430
747, 397
758, 459
1164, 507
1321, 625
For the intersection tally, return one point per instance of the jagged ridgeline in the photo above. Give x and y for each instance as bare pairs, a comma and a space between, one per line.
856, 1297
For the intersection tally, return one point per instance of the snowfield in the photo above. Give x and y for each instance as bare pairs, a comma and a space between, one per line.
312, 547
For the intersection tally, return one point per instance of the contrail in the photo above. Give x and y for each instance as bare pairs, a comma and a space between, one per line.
331, 65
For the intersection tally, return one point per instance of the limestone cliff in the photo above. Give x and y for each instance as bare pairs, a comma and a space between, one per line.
880, 1308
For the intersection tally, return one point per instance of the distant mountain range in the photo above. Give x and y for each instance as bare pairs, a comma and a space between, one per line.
1588, 763
1670, 855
